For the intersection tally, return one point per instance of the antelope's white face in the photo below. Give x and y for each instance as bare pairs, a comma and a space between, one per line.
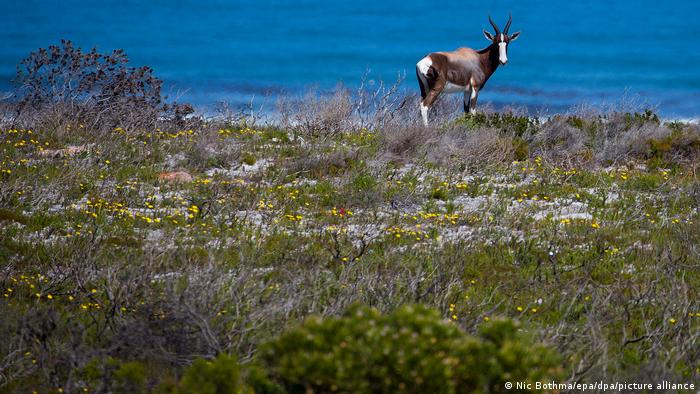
501, 39
502, 49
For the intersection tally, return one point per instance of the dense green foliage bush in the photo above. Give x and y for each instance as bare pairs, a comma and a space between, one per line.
410, 350
219, 376
516, 124
222, 375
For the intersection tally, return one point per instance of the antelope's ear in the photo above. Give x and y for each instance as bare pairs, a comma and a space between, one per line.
514, 36
488, 35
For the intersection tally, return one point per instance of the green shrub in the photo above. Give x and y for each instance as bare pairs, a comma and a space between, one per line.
223, 375
12, 216
638, 119
248, 159
521, 150
439, 193
410, 350
108, 374
219, 376
511, 354
130, 377
507, 121
363, 188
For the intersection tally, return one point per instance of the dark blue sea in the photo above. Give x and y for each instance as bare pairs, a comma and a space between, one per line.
569, 53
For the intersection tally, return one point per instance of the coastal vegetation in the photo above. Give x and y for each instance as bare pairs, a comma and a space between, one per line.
338, 245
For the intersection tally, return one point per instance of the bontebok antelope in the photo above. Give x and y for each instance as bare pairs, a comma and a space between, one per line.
463, 70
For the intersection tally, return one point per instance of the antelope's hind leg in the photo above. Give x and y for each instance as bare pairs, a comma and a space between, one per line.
424, 89
432, 96
426, 104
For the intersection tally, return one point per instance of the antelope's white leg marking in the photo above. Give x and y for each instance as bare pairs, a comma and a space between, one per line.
424, 65
472, 109
502, 56
424, 113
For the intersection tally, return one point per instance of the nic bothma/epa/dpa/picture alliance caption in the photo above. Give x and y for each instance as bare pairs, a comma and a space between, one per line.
600, 386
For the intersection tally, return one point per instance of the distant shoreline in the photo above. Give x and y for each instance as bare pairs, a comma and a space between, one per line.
495, 97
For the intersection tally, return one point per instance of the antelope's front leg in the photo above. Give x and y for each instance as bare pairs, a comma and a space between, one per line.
424, 113
472, 103
466, 100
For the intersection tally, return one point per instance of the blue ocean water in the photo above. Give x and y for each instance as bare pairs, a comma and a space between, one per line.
569, 53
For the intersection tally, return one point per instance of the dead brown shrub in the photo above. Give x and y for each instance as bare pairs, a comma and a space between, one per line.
62, 85
559, 142
317, 164
481, 147
318, 114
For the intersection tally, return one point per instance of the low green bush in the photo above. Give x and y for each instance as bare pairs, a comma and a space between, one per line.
507, 121
219, 376
411, 350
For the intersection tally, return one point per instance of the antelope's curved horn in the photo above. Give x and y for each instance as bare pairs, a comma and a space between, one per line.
510, 19
494, 26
